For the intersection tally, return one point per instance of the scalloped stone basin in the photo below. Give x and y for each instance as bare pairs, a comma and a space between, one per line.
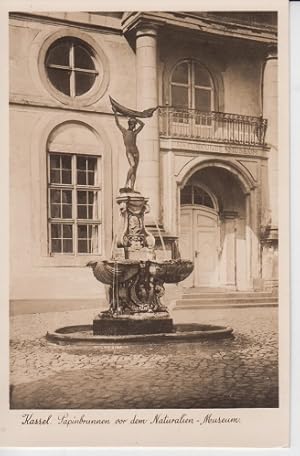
169, 271
83, 335
110, 271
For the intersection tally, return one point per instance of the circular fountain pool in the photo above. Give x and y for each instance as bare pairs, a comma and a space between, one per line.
83, 335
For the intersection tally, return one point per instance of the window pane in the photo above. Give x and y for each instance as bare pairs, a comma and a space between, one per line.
203, 100
67, 246
83, 82
55, 169
59, 54
81, 197
81, 178
202, 77
82, 212
55, 230
180, 74
186, 195
67, 232
55, 211
56, 245
67, 196
93, 244
180, 96
66, 177
82, 232
55, 196
92, 162
202, 197
83, 246
60, 79
81, 163
54, 161
67, 211
91, 178
91, 196
66, 162
83, 58
55, 177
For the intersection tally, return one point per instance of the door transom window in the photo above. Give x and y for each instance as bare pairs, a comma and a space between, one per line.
195, 195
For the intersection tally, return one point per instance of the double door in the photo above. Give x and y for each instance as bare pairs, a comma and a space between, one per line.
199, 241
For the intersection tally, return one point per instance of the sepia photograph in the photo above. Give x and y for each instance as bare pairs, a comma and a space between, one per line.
144, 215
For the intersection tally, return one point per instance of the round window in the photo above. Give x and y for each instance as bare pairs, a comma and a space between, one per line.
70, 66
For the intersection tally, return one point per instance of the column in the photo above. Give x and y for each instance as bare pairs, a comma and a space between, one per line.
147, 97
248, 240
270, 98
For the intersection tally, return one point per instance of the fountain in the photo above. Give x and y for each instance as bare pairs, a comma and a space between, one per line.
135, 278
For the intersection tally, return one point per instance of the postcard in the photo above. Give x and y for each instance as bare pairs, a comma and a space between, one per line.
146, 170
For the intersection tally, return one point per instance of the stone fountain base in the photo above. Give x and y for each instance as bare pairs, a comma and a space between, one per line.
139, 323
83, 335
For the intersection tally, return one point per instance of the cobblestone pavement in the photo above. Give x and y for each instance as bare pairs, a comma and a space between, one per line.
239, 372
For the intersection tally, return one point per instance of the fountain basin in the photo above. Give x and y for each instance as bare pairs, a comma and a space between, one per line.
169, 271
83, 335
110, 272
135, 291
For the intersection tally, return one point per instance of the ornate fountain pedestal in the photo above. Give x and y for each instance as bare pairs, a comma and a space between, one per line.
133, 237
136, 282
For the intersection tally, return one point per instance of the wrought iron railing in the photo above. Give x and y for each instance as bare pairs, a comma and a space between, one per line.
212, 126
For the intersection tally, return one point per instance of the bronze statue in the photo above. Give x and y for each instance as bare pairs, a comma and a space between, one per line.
132, 152
129, 137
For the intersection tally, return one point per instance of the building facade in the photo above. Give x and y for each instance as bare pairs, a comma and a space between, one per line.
208, 155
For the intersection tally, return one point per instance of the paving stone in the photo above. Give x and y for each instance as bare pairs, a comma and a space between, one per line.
241, 372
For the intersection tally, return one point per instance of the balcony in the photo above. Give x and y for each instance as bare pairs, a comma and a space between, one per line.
217, 127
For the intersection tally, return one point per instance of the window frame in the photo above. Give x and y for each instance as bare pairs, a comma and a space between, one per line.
100, 60
72, 68
74, 187
191, 86
204, 189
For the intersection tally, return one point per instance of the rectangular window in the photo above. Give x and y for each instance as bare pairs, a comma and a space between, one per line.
74, 202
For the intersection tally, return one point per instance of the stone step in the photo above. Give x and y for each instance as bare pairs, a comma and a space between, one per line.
218, 290
205, 290
228, 294
188, 303
225, 305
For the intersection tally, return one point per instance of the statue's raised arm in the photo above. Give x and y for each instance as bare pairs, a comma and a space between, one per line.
122, 129
140, 127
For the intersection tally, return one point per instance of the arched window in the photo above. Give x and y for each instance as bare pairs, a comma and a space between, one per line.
74, 191
192, 87
195, 195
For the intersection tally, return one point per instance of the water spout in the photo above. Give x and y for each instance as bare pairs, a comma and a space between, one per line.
160, 236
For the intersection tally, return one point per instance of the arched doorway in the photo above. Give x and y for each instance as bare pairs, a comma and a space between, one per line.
214, 230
